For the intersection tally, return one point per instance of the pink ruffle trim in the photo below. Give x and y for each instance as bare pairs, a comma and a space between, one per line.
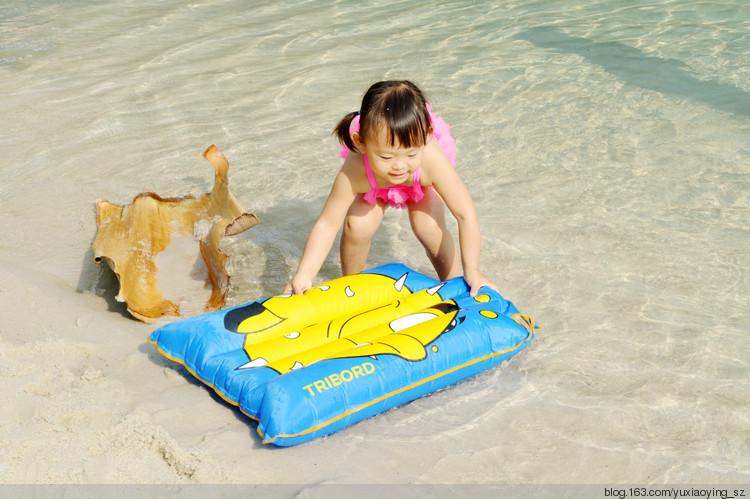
396, 195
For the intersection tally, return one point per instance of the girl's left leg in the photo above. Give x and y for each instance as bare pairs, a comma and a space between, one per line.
427, 219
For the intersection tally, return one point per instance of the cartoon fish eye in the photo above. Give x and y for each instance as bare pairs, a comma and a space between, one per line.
349, 292
455, 322
411, 320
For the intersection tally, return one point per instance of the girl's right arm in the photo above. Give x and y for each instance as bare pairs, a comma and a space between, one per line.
323, 233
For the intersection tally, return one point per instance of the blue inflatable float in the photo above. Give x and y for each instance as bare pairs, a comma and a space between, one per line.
308, 365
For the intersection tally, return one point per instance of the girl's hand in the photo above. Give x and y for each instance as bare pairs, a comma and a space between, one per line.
297, 285
476, 280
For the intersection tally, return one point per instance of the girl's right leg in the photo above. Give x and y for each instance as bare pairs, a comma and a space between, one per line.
361, 222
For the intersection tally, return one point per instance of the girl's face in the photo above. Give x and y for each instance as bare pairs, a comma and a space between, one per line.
392, 164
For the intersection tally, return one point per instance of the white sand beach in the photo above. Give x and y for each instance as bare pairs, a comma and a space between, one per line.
605, 147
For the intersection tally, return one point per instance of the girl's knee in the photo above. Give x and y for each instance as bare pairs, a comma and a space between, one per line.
362, 220
427, 227
359, 229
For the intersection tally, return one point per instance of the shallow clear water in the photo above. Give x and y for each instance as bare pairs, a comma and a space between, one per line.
605, 146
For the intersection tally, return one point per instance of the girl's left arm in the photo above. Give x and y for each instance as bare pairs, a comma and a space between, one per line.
456, 196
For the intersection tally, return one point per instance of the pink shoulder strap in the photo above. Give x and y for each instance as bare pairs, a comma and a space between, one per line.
417, 175
370, 174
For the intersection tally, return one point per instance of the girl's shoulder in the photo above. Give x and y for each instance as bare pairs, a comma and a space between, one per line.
354, 169
434, 163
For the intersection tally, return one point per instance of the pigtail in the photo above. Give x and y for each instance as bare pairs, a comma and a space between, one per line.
342, 131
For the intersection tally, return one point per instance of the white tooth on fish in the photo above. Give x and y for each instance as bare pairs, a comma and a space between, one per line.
399, 285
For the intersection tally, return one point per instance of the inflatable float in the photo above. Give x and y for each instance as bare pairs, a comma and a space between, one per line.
308, 365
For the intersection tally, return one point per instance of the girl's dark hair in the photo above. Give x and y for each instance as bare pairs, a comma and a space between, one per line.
399, 106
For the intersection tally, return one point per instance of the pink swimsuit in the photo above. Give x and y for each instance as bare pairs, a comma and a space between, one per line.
395, 195
399, 195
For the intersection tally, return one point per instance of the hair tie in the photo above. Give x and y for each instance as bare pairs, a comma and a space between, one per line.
354, 125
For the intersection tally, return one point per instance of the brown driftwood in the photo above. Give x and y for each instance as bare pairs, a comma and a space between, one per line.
129, 238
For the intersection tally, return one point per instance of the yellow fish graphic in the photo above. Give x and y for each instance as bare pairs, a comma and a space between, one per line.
354, 316
401, 328
406, 337
286, 313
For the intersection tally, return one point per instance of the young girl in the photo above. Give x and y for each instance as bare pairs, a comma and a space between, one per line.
395, 150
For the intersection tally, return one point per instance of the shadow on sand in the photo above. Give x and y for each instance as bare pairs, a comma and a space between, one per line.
666, 76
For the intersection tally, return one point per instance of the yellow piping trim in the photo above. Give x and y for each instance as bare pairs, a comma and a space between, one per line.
363, 406
396, 392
